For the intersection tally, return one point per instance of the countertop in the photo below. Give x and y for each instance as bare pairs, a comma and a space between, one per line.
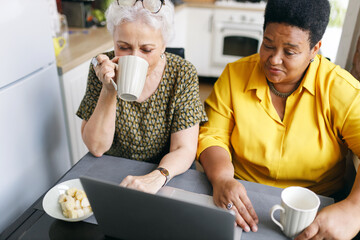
85, 43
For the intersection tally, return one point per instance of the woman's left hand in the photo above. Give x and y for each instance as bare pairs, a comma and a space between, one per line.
183, 145
337, 221
150, 183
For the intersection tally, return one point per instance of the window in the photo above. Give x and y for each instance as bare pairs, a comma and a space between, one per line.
331, 38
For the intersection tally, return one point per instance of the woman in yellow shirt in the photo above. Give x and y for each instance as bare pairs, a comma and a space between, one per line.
285, 117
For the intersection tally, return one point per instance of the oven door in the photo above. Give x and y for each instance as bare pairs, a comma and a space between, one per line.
232, 41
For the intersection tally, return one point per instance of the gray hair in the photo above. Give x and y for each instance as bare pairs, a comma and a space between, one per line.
163, 20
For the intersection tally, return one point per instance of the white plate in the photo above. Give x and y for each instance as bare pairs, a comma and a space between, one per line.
51, 205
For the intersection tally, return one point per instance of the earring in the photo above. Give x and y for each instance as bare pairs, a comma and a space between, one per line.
311, 60
162, 56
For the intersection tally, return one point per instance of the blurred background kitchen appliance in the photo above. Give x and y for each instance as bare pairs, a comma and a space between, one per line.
34, 148
235, 34
254, 1
78, 13
177, 2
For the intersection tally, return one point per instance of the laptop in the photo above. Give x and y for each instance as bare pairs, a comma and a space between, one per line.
130, 214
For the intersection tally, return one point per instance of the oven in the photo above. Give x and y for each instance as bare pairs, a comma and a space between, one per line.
235, 34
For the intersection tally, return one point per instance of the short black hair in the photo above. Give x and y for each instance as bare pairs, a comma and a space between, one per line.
309, 15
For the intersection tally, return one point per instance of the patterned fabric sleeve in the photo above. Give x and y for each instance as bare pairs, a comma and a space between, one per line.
88, 104
189, 109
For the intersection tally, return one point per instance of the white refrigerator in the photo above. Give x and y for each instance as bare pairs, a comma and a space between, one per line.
34, 149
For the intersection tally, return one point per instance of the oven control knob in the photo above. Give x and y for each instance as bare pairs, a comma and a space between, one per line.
243, 18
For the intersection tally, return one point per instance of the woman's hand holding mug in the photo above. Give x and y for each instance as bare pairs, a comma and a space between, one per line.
297, 210
129, 71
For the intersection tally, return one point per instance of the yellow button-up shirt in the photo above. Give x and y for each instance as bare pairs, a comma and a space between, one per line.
307, 148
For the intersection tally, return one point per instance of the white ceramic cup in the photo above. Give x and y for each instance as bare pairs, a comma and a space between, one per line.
297, 210
131, 76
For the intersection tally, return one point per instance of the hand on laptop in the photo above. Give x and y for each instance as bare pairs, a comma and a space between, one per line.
150, 183
230, 194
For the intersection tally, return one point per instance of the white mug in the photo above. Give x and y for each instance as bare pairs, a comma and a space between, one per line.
131, 76
298, 210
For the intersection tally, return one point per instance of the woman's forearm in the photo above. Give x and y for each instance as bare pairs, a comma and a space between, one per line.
354, 196
217, 164
98, 131
183, 145
178, 161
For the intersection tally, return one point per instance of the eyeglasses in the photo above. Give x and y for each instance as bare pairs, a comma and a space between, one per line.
154, 6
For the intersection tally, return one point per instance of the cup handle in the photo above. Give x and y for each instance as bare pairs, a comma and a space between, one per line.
272, 210
114, 84
112, 81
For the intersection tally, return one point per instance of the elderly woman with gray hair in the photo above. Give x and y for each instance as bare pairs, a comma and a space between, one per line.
162, 125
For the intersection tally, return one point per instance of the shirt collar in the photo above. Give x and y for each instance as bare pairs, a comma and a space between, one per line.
310, 75
257, 79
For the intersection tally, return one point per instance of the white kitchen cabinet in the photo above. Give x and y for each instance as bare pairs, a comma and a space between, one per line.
73, 63
180, 31
193, 33
73, 84
198, 38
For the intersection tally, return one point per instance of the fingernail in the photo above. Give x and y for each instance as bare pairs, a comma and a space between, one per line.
247, 229
254, 228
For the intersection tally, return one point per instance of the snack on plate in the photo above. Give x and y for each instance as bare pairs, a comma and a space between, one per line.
74, 203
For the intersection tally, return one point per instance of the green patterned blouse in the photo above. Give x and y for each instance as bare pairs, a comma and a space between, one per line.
143, 130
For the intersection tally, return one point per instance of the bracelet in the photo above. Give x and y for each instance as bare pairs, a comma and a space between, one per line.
165, 173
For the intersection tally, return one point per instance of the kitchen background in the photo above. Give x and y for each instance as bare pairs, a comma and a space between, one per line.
46, 48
